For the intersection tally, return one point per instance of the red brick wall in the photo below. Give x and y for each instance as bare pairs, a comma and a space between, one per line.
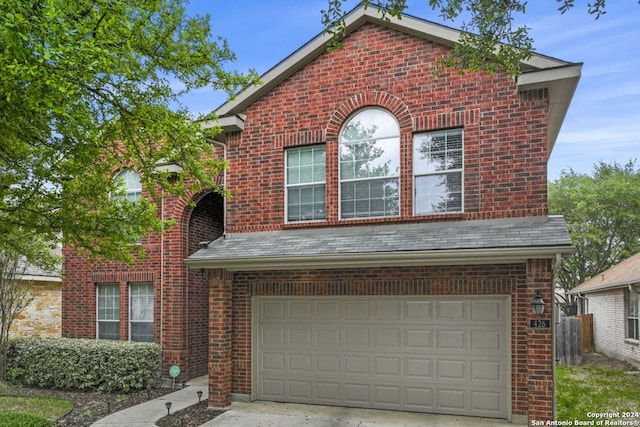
516, 280
504, 131
205, 224
180, 309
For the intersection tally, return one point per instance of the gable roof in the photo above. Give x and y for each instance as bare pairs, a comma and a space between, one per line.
437, 243
621, 275
540, 71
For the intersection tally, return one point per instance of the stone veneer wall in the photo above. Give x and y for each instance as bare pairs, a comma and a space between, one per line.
43, 316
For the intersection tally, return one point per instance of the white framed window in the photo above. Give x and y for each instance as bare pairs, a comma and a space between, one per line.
129, 180
108, 311
306, 183
437, 172
633, 332
370, 165
141, 312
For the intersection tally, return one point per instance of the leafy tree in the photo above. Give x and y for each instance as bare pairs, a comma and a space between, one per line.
14, 298
489, 41
90, 86
603, 216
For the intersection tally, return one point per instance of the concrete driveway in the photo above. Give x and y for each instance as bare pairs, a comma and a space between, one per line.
270, 414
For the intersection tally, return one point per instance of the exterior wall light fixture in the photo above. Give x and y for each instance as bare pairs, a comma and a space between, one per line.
538, 304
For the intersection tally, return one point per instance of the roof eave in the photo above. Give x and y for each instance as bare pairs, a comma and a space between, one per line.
607, 287
408, 24
40, 278
383, 259
561, 81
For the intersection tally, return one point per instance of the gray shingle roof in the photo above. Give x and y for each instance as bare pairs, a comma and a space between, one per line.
621, 275
399, 244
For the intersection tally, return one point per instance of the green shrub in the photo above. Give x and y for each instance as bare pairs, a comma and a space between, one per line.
64, 363
13, 419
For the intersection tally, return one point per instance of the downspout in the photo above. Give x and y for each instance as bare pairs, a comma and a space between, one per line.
554, 322
162, 270
224, 178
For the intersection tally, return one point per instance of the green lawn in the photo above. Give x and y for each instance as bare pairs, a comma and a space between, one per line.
580, 390
47, 407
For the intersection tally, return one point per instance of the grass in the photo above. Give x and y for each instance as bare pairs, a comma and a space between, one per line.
580, 390
47, 407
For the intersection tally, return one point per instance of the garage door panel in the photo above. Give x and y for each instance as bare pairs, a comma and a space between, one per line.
453, 400
418, 339
302, 363
328, 393
272, 388
272, 310
356, 394
327, 310
488, 341
418, 310
357, 310
328, 364
427, 354
356, 365
419, 369
300, 310
273, 361
328, 336
391, 366
485, 402
387, 395
357, 337
451, 370
455, 340
487, 372
384, 337
273, 334
488, 311
300, 390
386, 310
300, 336
452, 311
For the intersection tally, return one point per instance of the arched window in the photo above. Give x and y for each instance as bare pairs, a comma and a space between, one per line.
130, 182
370, 165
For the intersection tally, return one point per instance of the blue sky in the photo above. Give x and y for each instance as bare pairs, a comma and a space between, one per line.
603, 122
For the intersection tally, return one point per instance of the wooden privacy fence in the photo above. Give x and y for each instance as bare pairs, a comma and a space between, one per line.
574, 336
569, 341
587, 332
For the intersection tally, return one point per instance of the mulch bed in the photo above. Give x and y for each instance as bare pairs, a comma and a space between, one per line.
89, 406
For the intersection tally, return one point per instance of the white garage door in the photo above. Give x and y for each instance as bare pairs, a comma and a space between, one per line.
426, 354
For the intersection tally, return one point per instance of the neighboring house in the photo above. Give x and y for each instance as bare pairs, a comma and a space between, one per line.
387, 234
42, 317
613, 298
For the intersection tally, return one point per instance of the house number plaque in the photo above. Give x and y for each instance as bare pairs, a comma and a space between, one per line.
540, 323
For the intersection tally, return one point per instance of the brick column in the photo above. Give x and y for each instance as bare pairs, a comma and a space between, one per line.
220, 338
540, 357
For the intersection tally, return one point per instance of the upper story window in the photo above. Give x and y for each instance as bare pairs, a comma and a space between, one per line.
437, 172
632, 316
370, 165
130, 182
306, 183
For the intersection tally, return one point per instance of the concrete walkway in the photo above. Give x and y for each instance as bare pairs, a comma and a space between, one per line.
146, 414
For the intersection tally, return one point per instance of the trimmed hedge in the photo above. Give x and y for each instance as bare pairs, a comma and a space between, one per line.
23, 420
79, 364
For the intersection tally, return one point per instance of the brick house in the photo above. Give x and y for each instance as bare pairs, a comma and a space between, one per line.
613, 297
387, 234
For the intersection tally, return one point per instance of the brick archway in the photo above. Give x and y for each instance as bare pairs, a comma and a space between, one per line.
202, 220
368, 99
